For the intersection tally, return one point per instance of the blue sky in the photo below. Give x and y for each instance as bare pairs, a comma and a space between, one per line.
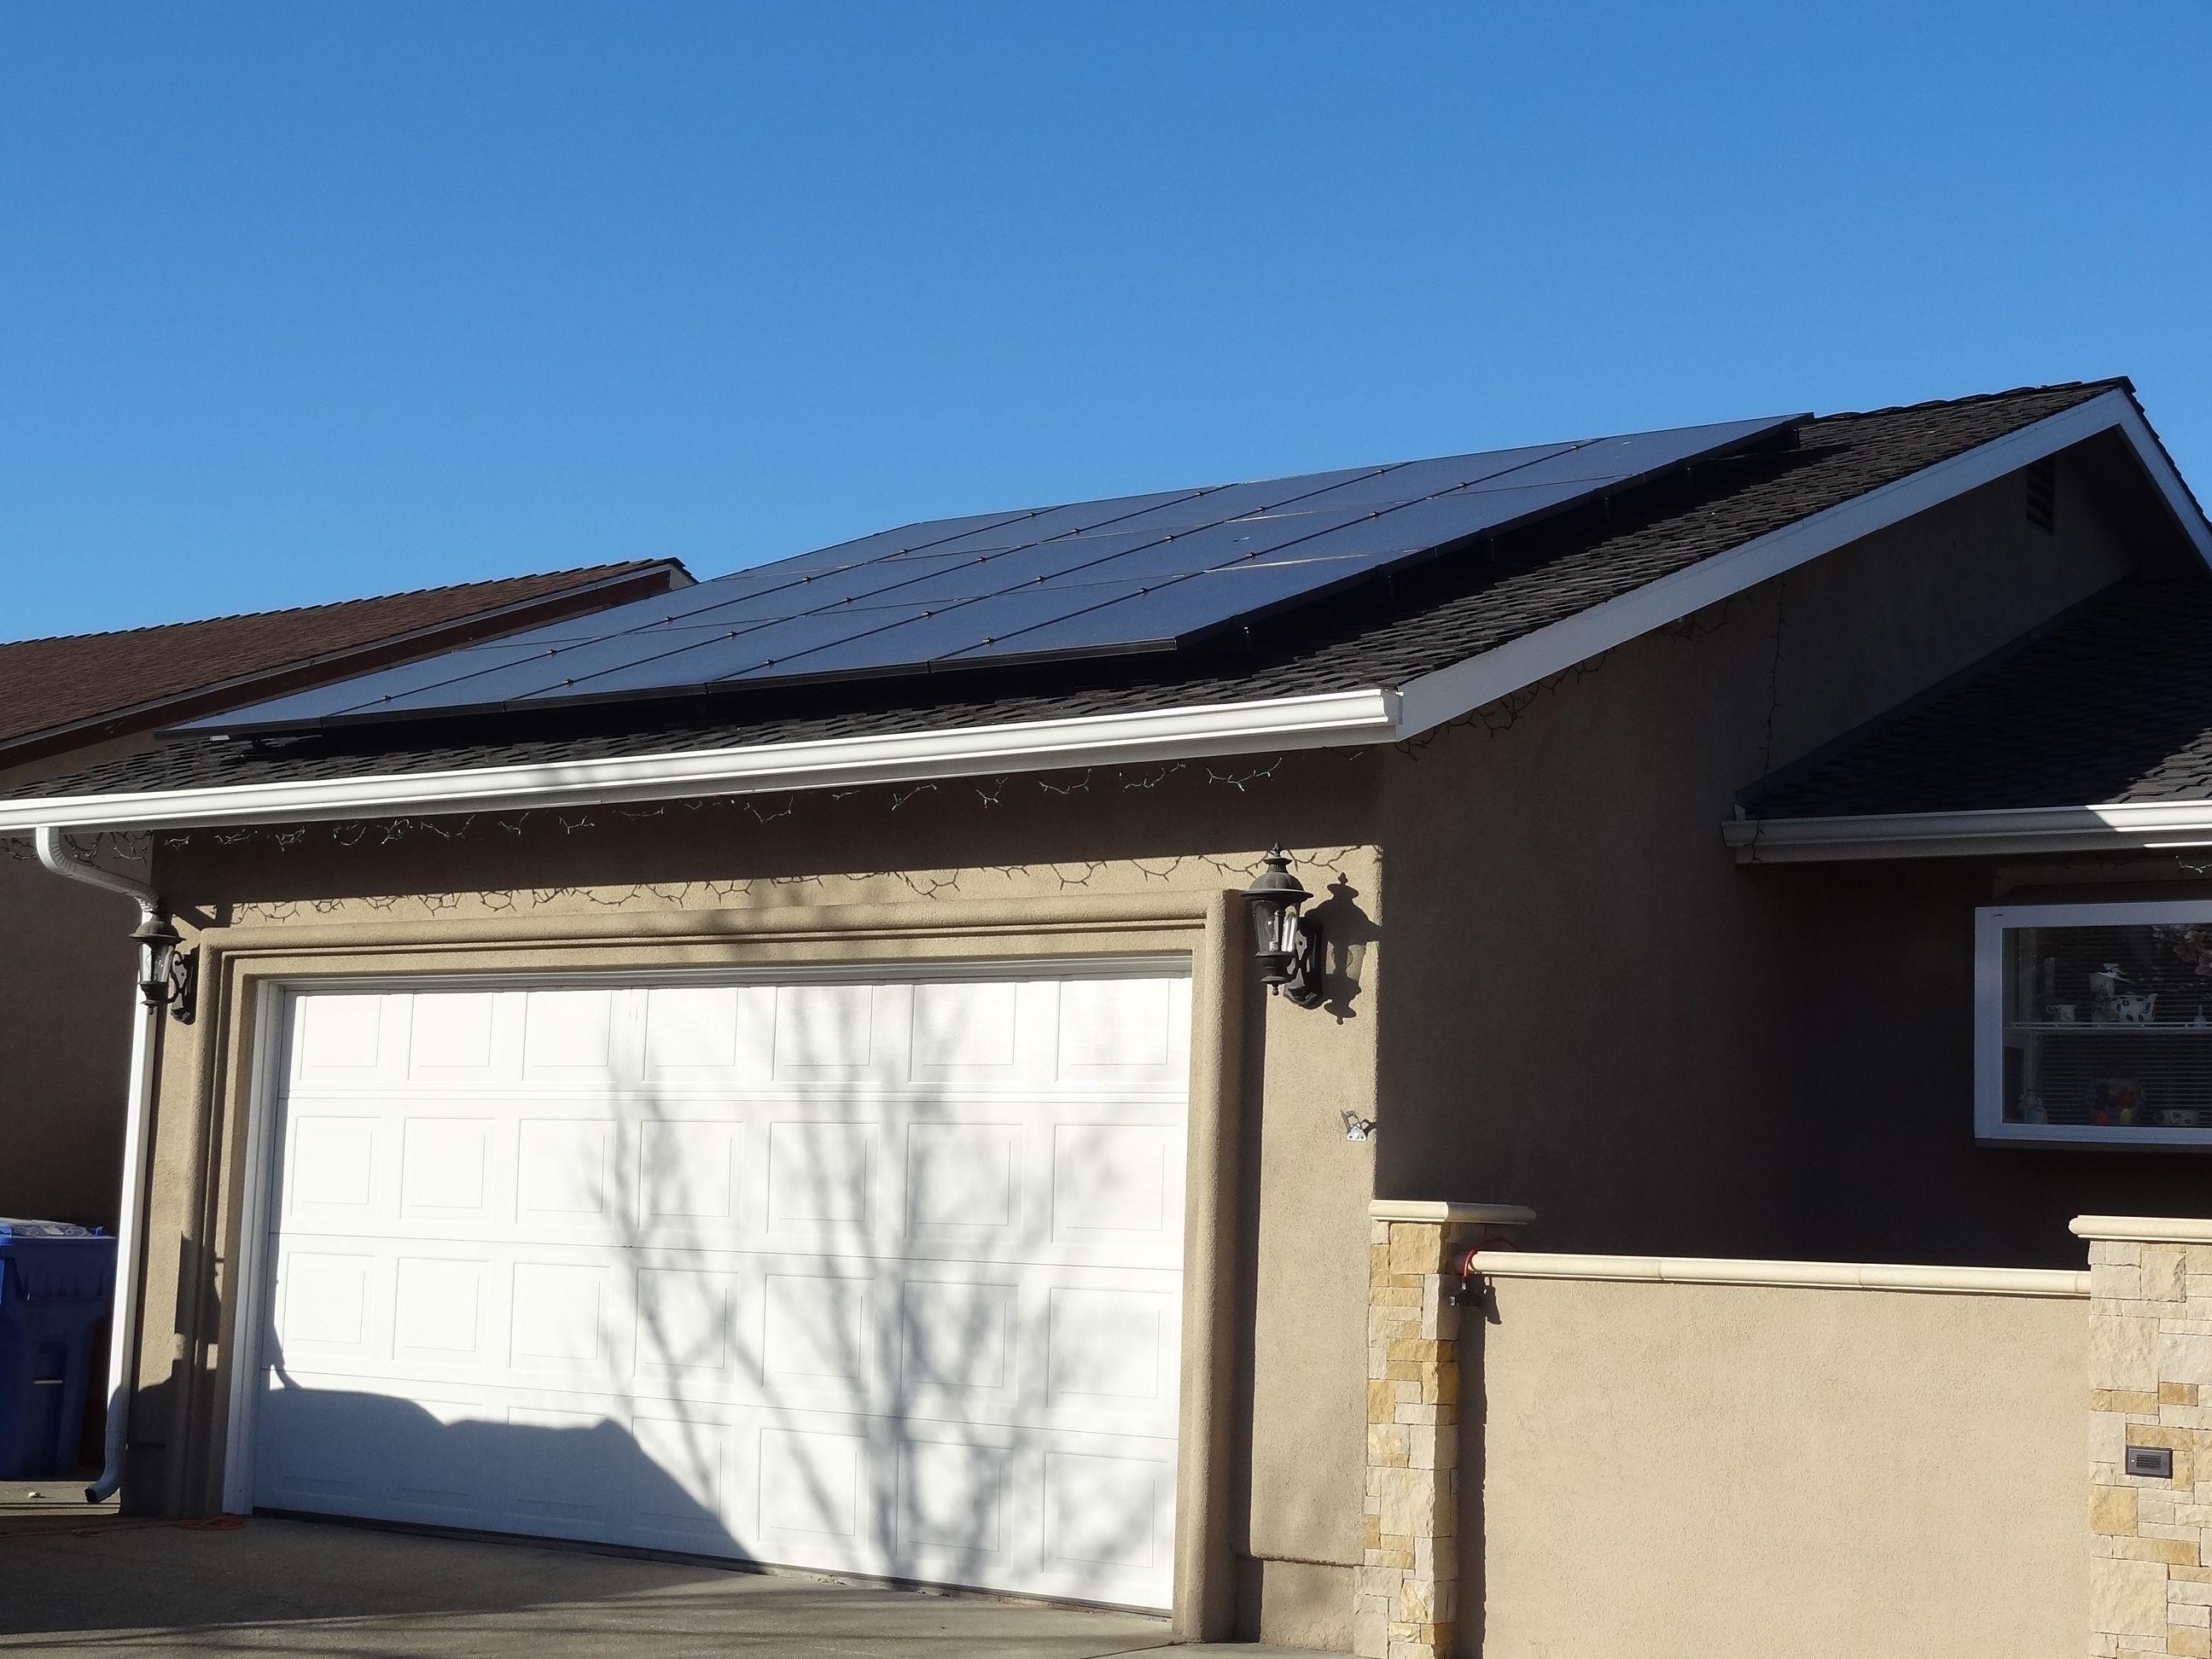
306, 301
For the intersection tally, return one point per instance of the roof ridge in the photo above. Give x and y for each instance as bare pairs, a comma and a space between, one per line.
610, 569
2109, 383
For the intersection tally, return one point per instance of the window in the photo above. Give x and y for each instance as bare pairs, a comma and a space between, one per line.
2093, 1024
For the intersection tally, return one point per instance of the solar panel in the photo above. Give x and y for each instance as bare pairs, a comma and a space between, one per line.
1136, 572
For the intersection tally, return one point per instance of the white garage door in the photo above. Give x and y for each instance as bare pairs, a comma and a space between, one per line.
877, 1278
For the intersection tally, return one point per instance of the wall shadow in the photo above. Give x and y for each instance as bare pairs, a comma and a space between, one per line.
337, 1580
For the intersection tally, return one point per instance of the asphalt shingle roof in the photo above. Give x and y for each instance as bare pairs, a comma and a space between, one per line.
69, 679
2112, 703
1450, 609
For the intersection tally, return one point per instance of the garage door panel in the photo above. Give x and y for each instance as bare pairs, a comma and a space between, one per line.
447, 1314
332, 1444
464, 1039
718, 1037
351, 1040
689, 1176
854, 1277
687, 1482
964, 1183
326, 1304
578, 1037
842, 1033
1125, 1032
565, 1174
823, 1181
453, 1170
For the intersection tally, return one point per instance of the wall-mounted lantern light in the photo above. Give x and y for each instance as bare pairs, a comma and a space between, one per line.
1289, 944
166, 975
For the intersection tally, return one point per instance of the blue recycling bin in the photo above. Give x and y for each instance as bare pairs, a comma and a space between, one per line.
56, 1283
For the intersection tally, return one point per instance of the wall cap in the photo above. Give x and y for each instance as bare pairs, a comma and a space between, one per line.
1807, 1275
2149, 1229
1449, 1213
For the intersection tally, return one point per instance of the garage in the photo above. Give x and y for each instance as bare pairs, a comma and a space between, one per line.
875, 1275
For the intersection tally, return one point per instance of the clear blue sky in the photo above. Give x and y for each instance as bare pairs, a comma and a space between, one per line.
308, 301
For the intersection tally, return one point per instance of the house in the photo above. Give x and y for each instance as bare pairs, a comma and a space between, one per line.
783, 1070
69, 703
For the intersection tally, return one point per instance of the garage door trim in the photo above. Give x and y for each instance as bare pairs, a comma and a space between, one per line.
1197, 1504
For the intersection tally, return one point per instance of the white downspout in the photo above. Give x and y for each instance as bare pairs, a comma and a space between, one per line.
123, 1324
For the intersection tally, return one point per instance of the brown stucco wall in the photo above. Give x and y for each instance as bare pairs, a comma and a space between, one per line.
1888, 1141
1744, 1469
65, 992
600, 887
1604, 1017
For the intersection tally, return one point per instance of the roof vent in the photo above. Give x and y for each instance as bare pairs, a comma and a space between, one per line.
2043, 493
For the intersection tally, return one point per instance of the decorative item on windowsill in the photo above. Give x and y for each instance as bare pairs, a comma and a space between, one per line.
2115, 1101
1289, 946
2105, 996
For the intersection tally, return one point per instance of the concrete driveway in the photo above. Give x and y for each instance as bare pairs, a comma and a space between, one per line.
79, 1580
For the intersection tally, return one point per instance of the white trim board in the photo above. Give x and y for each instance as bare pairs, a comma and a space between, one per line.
2134, 826
1796, 1275
1342, 718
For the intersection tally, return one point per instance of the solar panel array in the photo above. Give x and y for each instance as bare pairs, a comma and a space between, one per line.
1138, 573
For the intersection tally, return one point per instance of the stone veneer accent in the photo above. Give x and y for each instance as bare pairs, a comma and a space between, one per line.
1408, 1586
2150, 1384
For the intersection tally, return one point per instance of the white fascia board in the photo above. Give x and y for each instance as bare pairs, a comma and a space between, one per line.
2130, 826
1433, 699
1324, 720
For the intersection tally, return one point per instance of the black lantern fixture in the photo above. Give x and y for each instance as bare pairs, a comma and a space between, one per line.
164, 972
1288, 944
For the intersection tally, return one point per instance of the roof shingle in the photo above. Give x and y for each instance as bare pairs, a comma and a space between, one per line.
2112, 703
1451, 610
70, 679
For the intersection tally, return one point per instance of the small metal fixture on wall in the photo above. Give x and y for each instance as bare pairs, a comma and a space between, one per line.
1290, 944
167, 977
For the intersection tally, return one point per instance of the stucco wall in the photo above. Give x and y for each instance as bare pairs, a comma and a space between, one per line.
65, 986
876, 860
64, 1044
1605, 1017
1683, 1470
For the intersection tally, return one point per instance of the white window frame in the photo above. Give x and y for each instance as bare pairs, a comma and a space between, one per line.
1991, 923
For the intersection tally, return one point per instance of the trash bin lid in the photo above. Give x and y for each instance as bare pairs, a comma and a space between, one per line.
12, 1227
52, 1259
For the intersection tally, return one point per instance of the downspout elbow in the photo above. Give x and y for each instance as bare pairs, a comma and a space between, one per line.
53, 853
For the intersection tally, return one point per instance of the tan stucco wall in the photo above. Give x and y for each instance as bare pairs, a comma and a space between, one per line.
1037, 860
1601, 1014
1685, 1471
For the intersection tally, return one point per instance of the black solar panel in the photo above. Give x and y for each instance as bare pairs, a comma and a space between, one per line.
1138, 573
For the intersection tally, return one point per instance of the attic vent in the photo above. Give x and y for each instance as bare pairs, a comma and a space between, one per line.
2043, 493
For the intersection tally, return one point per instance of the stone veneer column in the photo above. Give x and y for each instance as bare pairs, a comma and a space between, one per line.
1409, 1573
2150, 1385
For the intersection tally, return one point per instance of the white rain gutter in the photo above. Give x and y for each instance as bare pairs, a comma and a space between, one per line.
1323, 721
2134, 826
123, 1323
